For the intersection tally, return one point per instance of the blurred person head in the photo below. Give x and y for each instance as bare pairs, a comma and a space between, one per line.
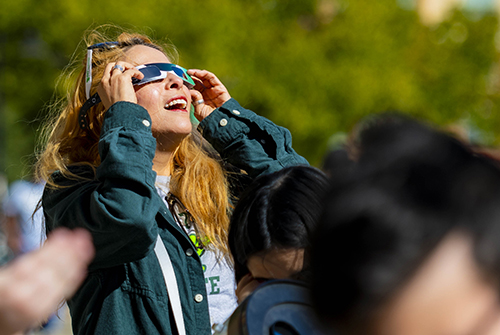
409, 241
336, 162
272, 223
336, 157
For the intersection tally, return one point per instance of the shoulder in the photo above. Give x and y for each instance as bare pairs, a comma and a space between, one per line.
76, 174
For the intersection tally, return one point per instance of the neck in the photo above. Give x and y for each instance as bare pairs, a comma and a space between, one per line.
161, 162
165, 148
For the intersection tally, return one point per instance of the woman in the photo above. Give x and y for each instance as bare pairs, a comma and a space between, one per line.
270, 229
132, 168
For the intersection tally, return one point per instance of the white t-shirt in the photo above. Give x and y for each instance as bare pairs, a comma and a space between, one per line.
219, 276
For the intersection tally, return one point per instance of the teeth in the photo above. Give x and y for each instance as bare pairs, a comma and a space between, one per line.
181, 102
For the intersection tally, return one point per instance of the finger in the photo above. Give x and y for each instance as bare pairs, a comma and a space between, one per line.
118, 67
127, 69
199, 73
107, 73
207, 78
196, 97
201, 109
192, 72
126, 76
199, 94
245, 288
198, 84
215, 91
136, 74
115, 68
245, 279
123, 66
242, 283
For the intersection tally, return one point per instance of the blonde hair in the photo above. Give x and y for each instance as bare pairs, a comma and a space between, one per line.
197, 179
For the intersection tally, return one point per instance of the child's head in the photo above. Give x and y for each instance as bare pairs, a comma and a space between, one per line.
272, 223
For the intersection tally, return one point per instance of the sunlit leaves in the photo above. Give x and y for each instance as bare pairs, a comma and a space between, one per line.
314, 66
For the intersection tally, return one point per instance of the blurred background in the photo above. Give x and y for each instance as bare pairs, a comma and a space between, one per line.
313, 66
316, 67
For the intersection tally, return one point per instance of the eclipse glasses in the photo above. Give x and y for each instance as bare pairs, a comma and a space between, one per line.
159, 71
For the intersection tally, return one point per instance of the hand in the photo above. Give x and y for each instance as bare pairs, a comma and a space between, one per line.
116, 85
246, 286
33, 285
208, 88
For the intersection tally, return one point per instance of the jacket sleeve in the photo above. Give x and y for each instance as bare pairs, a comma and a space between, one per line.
249, 141
119, 203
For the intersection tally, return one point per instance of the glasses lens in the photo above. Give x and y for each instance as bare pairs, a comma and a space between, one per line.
151, 73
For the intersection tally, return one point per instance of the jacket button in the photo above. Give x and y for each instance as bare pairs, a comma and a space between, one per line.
189, 252
146, 123
198, 298
236, 112
223, 122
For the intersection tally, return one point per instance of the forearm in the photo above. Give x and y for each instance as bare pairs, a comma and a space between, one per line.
249, 141
120, 204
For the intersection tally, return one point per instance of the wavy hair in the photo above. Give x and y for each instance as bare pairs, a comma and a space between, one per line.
198, 179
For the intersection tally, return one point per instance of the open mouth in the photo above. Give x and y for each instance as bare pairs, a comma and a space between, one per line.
176, 104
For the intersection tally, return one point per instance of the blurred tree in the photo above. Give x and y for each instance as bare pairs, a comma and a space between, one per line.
314, 66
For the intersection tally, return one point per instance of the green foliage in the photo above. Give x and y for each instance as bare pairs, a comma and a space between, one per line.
314, 66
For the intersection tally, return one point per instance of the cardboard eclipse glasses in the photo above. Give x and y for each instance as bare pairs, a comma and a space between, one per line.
159, 71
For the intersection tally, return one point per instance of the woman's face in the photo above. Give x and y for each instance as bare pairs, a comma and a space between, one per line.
168, 101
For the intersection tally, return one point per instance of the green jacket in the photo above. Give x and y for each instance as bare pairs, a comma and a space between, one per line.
124, 292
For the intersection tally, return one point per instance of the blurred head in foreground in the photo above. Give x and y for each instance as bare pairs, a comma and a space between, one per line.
409, 240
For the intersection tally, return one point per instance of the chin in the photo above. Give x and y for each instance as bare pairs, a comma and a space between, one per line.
171, 136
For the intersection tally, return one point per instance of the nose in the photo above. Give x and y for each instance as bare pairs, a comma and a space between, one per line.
173, 82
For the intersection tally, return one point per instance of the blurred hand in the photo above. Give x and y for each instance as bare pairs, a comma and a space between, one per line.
208, 88
246, 286
33, 285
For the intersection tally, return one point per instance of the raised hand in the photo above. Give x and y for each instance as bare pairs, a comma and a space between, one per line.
33, 285
116, 83
246, 286
209, 93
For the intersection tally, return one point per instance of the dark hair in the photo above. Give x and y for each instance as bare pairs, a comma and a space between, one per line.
278, 210
410, 187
